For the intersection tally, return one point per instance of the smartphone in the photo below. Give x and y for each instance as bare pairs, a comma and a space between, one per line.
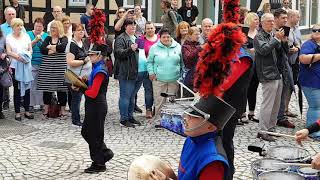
245, 30
286, 30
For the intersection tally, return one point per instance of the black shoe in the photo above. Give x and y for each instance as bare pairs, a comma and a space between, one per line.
30, 116
133, 121
78, 123
108, 155
240, 123
251, 118
31, 109
137, 109
286, 124
5, 105
266, 137
18, 118
94, 168
2, 116
244, 121
127, 124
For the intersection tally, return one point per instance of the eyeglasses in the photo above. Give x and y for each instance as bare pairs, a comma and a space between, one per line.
121, 12
316, 30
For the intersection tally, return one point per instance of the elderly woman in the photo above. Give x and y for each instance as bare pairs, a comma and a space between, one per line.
190, 54
168, 19
37, 36
252, 21
52, 68
78, 63
19, 50
164, 65
182, 32
309, 75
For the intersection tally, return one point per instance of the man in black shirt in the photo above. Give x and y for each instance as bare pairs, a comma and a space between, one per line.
19, 9
189, 12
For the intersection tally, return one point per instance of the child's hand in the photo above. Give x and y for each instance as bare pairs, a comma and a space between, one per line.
301, 135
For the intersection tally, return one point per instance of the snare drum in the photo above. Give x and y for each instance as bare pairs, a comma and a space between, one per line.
172, 116
309, 173
265, 165
280, 175
289, 154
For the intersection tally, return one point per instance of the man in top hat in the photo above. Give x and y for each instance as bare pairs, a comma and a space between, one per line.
202, 156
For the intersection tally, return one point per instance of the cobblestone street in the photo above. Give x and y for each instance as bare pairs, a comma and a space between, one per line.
54, 148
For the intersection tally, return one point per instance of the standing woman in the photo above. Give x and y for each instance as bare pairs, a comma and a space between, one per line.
96, 110
252, 21
182, 32
67, 27
52, 68
140, 20
19, 50
76, 60
144, 44
190, 54
37, 36
4, 66
164, 66
118, 22
168, 19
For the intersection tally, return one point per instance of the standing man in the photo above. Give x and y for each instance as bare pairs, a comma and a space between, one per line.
85, 18
280, 20
126, 71
268, 73
189, 13
285, 5
19, 9
57, 14
206, 27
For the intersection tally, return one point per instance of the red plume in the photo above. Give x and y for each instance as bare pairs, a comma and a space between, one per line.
224, 43
96, 24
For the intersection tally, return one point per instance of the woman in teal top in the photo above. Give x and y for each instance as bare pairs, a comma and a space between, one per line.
37, 36
164, 66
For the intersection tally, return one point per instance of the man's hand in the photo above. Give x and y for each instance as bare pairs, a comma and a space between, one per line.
294, 49
279, 34
301, 135
134, 46
315, 164
152, 77
157, 175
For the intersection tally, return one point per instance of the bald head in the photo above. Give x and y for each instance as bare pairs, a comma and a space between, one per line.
57, 13
206, 26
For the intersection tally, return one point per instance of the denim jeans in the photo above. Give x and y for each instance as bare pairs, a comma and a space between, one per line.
143, 78
284, 96
126, 100
75, 105
313, 98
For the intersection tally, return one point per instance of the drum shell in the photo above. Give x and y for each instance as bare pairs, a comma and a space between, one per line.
279, 175
257, 169
309, 173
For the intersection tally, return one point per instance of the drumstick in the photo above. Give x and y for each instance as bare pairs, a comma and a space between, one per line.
278, 134
294, 164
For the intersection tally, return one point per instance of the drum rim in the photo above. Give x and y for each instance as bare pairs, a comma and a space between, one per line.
290, 160
285, 172
264, 170
316, 174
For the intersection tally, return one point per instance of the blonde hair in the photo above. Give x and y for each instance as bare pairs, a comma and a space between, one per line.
250, 18
66, 18
16, 22
193, 30
59, 27
182, 24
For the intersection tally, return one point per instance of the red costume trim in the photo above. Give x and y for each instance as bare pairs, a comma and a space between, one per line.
97, 33
215, 170
318, 122
93, 91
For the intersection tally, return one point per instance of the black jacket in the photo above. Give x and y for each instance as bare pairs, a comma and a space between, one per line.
126, 60
265, 47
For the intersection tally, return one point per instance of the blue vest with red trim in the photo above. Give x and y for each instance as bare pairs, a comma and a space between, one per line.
197, 153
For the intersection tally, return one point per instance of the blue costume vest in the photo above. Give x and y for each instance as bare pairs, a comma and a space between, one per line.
197, 153
96, 68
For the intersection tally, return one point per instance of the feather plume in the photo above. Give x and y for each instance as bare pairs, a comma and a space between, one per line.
96, 24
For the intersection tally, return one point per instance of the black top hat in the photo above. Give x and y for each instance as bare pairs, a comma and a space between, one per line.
213, 109
98, 49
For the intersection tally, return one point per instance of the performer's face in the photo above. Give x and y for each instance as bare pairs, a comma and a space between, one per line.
190, 122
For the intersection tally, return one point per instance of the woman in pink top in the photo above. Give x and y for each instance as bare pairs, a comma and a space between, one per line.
144, 44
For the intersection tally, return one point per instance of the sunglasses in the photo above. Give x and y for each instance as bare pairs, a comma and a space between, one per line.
316, 30
121, 11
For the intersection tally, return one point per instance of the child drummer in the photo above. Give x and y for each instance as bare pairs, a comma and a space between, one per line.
303, 134
96, 110
202, 156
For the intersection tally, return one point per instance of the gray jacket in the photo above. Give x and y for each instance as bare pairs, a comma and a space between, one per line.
265, 46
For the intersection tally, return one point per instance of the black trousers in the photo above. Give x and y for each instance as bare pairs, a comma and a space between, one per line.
252, 91
62, 98
236, 96
93, 131
17, 96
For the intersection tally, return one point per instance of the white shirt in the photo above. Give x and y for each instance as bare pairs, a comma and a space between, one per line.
18, 46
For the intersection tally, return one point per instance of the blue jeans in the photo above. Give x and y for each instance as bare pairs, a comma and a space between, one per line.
143, 78
126, 100
75, 105
313, 99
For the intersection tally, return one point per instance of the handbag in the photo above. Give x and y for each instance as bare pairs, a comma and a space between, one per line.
6, 78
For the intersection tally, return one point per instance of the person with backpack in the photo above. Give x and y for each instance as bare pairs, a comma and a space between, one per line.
189, 13
169, 18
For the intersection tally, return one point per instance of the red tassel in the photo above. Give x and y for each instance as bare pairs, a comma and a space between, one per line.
96, 24
231, 11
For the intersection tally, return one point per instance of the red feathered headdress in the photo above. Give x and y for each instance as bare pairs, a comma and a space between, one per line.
96, 24
223, 46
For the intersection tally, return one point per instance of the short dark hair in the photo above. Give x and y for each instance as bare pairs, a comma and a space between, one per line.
39, 20
128, 22
164, 31
277, 13
75, 26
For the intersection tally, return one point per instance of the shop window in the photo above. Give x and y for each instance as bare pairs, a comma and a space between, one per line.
130, 3
315, 11
303, 8
77, 3
24, 2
